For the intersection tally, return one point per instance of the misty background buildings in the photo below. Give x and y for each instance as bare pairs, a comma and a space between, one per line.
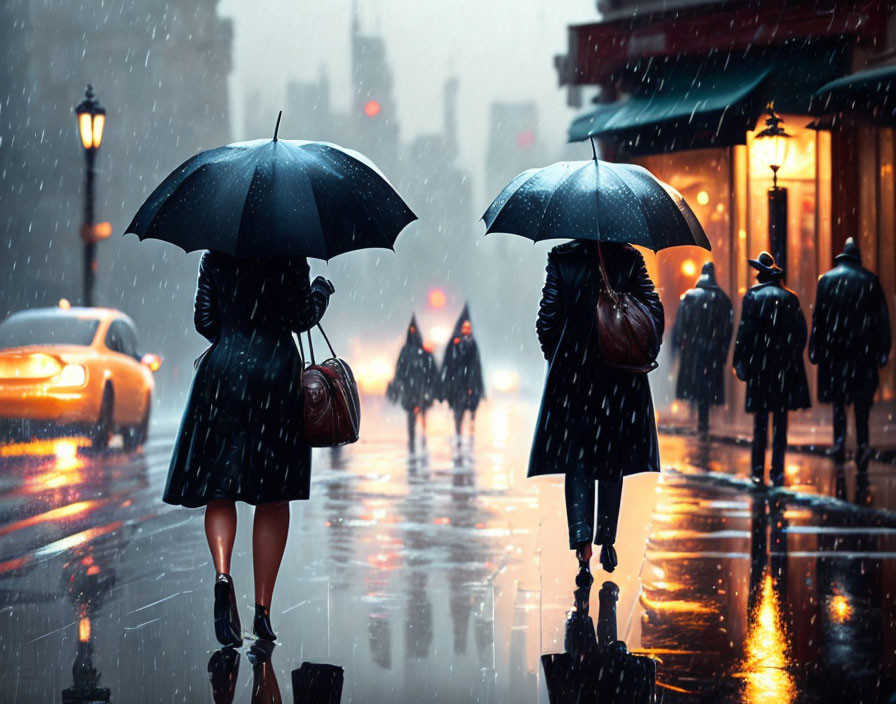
167, 77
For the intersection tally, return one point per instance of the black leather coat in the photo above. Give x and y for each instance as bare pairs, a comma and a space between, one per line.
768, 352
850, 333
702, 332
417, 383
241, 436
593, 418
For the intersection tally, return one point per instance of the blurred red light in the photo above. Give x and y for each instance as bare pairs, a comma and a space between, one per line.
372, 108
525, 139
437, 298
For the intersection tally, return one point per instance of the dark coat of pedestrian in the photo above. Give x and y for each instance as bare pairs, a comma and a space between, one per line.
850, 330
702, 334
771, 337
416, 383
850, 339
594, 418
241, 437
463, 386
768, 355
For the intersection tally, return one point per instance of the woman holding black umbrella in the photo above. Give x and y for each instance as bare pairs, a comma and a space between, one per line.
596, 424
259, 208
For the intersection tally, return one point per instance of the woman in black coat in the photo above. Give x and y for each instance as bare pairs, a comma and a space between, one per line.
702, 332
241, 437
596, 422
416, 383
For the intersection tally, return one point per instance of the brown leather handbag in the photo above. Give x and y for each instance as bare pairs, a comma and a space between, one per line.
626, 333
332, 409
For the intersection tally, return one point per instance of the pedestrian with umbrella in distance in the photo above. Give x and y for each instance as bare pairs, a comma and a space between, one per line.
850, 339
463, 387
600, 325
702, 334
258, 209
768, 355
416, 383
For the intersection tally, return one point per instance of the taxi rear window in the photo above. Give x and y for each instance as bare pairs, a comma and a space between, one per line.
24, 330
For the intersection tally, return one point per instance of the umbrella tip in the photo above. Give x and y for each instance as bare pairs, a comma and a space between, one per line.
593, 148
277, 126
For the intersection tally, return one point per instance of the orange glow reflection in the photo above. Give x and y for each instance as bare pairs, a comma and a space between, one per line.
56, 514
65, 448
765, 667
839, 608
84, 629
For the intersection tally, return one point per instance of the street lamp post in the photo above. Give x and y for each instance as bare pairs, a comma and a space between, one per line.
773, 148
91, 124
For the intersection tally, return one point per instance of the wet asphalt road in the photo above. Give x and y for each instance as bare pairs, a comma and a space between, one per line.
442, 574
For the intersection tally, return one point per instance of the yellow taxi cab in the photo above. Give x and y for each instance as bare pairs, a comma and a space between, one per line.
74, 369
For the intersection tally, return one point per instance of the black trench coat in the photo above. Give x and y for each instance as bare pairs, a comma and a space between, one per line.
850, 333
241, 437
768, 352
702, 332
593, 418
417, 383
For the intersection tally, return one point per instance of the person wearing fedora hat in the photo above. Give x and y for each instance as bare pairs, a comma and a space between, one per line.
850, 339
702, 333
768, 355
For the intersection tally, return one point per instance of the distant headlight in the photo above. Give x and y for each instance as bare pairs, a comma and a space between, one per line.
71, 375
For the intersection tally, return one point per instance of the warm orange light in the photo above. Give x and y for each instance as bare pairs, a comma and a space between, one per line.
840, 608
505, 380
56, 514
439, 334
64, 303
29, 366
688, 267
437, 298
84, 629
703, 197
766, 674
372, 108
373, 375
151, 361
62, 449
102, 230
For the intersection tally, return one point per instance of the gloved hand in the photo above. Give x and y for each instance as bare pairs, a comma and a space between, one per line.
325, 284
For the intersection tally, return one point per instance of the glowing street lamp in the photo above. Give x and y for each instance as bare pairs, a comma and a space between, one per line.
91, 125
772, 145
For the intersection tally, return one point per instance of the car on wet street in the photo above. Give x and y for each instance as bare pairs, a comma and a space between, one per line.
74, 371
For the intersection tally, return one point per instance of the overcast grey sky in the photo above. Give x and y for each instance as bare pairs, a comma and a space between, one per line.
499, 49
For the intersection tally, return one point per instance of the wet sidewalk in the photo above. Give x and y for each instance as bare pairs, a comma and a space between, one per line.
442, 574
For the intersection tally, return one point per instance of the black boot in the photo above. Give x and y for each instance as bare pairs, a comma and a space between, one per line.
608, 559
227, 616
262, 627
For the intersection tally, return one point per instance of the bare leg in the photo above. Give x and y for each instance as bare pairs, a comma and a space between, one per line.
220, 531
268, 542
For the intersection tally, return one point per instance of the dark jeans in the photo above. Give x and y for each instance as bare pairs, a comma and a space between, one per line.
862, 410
580, 490
779, 445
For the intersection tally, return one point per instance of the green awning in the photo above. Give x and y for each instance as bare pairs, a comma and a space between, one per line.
693, 103
704, 106
872, 93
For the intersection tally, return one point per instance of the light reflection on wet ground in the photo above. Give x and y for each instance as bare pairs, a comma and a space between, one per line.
443, 574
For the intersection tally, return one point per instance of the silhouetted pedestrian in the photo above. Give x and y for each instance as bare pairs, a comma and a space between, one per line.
703, 328
850, 339
596, 423
416, 382
768, 355
462, 383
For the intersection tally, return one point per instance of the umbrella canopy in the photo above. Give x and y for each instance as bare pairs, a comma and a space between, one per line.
595, 200
273, 197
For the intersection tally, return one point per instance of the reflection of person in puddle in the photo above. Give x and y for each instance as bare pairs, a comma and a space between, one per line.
224, 669
597, 669
596, 422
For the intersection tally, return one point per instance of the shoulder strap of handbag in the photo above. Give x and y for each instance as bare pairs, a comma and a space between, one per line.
603, 272
311, 345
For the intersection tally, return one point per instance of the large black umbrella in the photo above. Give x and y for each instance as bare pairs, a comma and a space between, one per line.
595, 200
274, 197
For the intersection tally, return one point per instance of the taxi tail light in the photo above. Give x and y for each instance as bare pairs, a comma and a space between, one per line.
151, 361
24, 367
